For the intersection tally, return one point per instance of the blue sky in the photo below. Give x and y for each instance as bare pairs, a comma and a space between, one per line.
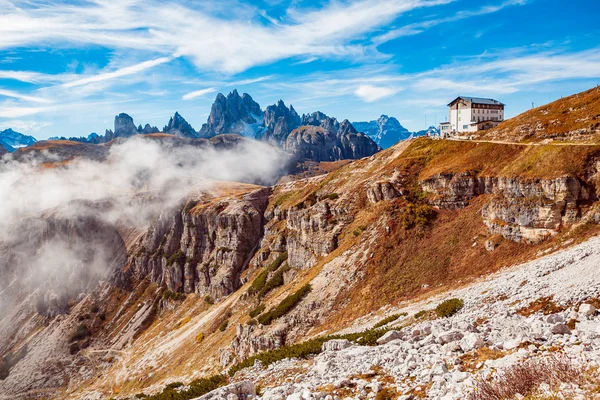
67, 68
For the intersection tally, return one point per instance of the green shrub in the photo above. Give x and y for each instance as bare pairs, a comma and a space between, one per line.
261, 280
449, 307
74, 348
174, 385
420, 314
209, 300
95, 308
256, 311
175, 296
332, 196
177, 257
285, 306
189, 205
81, 332
252, 322
197, 388
224, 325
389, 319
275, 281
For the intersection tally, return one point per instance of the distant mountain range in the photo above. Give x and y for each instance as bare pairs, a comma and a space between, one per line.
387, 131
314, 136
11, 140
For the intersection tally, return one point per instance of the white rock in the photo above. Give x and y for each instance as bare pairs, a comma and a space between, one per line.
471, 341
439, 368
587, 309
459, 376
389, 336
336, 345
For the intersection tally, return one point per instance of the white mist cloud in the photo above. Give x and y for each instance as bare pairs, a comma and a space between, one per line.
58, 223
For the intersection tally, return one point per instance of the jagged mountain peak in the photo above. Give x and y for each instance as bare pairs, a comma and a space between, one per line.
233, 114
12, 140
178, 126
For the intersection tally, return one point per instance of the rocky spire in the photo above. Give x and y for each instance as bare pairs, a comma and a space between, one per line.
179, 126
231, 114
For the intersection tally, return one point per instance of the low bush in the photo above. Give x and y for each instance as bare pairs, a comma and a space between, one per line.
174, 385
200, 337
197, 388
285, 306
332, 196
420, 314
175, 296
209, 300
178, 257
74, 348
256, 311
81, 332
224, 325
261, 280
190, 205
275, 281
389, 319
449, 307
524, 379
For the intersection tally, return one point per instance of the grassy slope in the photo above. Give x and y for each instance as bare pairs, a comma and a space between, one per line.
554, 120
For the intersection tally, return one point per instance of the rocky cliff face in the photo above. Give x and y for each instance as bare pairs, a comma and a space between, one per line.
519, 209
201, 249
231, 114
180, 127
320, 143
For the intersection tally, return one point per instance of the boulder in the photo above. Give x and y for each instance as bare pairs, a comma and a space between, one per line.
336, 344
236, 391
587, 309
560, 329
389, 336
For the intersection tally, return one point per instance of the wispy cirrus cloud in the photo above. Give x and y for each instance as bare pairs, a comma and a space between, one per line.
198, 93
20, 96
419, 27
370, 93
130, 70
211, 42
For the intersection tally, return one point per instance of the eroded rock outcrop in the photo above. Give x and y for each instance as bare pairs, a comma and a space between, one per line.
519, 209
203, 249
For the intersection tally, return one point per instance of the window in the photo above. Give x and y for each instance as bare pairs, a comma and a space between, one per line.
465, 126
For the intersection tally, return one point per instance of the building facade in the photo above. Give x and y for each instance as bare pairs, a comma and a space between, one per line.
471, 114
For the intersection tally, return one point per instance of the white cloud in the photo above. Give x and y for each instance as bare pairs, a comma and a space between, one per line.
20, 96
130, 70
26, 126
418, 27
211, 42
371, 93
30, 76
198, 93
